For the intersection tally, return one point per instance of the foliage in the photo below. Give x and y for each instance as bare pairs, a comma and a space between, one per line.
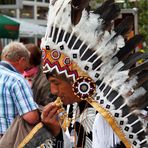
95, 3
142, 6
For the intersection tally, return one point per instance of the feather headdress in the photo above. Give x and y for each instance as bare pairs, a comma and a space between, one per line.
102, 64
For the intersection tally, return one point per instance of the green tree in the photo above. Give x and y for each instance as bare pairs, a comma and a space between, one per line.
142, 6
95, 3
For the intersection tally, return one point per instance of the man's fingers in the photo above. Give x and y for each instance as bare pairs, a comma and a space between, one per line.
49, 111
49, 106
52, 113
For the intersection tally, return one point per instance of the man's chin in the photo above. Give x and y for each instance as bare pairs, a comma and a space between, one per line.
66, 103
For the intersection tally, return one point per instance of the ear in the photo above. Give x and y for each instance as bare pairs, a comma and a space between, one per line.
22, 60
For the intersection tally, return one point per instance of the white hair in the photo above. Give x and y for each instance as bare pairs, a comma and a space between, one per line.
14, 51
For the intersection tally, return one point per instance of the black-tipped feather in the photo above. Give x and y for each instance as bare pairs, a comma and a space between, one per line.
145, 85
111, 13
108, 11
133, 59
81, 4
138, 69
100, 10
144, 145
140, 102
125, 26
52, 2
142, 78
77, 7
129, 47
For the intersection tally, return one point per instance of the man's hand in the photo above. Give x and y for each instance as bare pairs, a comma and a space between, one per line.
49, 118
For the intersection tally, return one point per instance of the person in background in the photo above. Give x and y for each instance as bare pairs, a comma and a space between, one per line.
15, 94
39, 84
0, 48
36, 78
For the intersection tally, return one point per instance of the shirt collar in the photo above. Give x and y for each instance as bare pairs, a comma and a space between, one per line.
9, 66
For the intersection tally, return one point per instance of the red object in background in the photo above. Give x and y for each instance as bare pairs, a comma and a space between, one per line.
140, 46
12, 28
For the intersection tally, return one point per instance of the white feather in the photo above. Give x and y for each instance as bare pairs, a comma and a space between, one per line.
118, 79
88, 143
120, 42
87, 119
128, 86
75, 105
107, 67
87, 27
137, 93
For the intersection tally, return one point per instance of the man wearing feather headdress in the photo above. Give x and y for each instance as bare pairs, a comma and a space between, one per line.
81, 116
81, 45
101, 64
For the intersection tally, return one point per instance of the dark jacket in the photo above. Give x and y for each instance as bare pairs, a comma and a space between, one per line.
41, 89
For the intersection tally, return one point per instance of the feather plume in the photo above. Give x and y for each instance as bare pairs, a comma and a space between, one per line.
129, 47
140, 103
103, 7
108, 12
124, 27
136, 97
133, 59
77, 7
87, 119
142, 78
111, 13
139, 68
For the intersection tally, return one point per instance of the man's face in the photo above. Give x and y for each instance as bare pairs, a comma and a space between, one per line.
63, 90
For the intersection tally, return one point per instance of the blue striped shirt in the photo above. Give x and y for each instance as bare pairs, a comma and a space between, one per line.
16, 97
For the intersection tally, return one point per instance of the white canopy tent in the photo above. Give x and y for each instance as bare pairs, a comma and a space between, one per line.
28, 29
31, 30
